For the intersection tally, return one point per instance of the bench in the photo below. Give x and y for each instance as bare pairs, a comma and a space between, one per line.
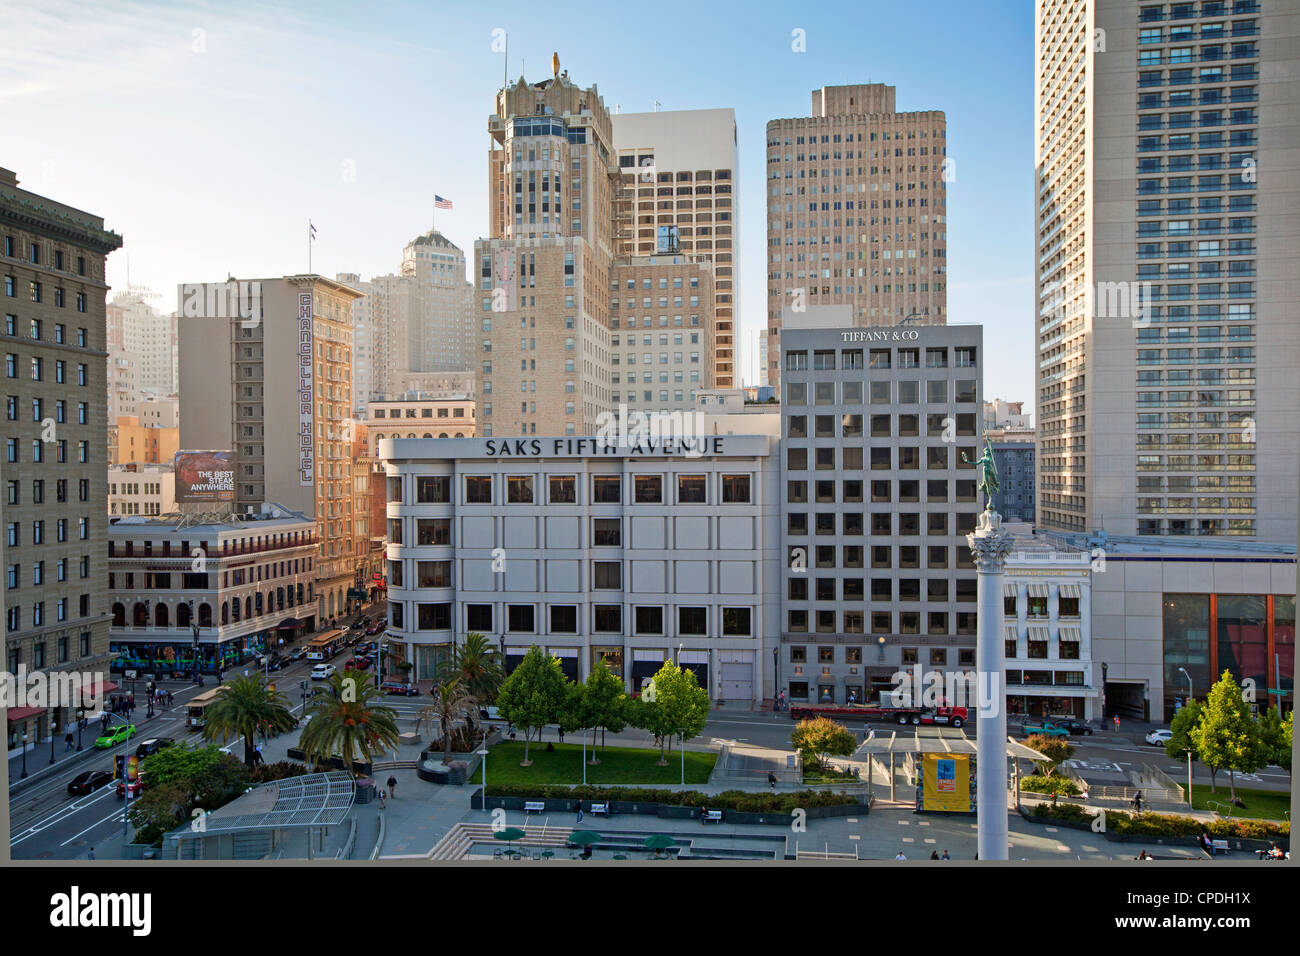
714, 816
1220, 846
534, 806
600, 809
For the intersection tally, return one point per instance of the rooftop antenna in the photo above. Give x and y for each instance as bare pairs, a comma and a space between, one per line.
657, 105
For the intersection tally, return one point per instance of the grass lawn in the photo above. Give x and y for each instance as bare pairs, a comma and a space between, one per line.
1260, 804
617, 765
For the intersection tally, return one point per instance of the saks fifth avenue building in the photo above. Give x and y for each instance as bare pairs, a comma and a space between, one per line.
636, 553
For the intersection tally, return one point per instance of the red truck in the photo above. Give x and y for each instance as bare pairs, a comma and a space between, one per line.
946, 716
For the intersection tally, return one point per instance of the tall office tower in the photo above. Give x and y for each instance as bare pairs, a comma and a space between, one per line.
242, 390
543, 277
394, 343
136, 327
441, 337
680, 193
857, 211
1168, 193
890, 417
54, 550
363, 368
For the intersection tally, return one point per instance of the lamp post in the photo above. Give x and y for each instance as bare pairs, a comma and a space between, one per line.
81, 720
23, 775
880, 643
1189, 683
776, 678
52, 742
484, 754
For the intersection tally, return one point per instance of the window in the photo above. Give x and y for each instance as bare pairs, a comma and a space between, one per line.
691, 489
606, 532
563, 489
692, 620
478, 617
735, 489
607, 618
519, 618
607, 575
431, 531
564, 619
429, 490
648, 620
736, 622
478, 489
648, 489
433, 574
433, 617
606, 489
519, 489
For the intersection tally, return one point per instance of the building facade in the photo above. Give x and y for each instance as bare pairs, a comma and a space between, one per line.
680, 193
141, 489
52, 260
857, 211
1014, 499
208, 588
878, 492
1167, 193
442, 335
417, 415
634, 553
278, 393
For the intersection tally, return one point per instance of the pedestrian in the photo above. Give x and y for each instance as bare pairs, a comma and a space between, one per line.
91, 854
783, 703
67, 742
579, 811
392, 785
1137, 801
1117, 723
380, 791
900, 856
771, 780
945, 856
934, 854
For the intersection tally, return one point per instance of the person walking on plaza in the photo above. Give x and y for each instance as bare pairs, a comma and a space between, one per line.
392, 785
1137, 801
771, 780
67, 742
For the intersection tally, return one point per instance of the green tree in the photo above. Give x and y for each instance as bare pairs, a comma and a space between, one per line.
451, 702
531, 697
1275, 731
248, 707
478, 667
158, 810
675, 706
1183, 729
606, 700
346, 721
821, 737
1055, 749
181, 762
1227, 736
575, 715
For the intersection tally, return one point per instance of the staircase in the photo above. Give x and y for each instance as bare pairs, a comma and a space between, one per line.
458, 840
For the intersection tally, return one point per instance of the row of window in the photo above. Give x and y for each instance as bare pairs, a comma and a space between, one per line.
34, 255
801, 557
563, 489
827, 621
36, 291
853, 523
937, 392
937, 656
36, 330
13, 493
14, 614
13, 531
38, 369
38, 653
12, 453
849, 425
564, 619
882, 459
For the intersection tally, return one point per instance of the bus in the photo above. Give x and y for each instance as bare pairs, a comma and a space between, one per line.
198, 705
325, 646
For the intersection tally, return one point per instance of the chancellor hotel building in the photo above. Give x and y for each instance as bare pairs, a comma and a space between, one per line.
877, 501
1168, 267
666, 549
857, 211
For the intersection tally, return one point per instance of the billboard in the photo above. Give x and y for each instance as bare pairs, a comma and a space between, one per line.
945, 783
204, 476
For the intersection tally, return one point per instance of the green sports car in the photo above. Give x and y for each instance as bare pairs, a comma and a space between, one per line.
116, 736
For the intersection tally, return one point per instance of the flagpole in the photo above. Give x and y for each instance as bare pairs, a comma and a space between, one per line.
308, 247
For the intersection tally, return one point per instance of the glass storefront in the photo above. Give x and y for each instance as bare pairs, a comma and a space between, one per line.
1242, 621
1186, 645
1284, 647
613, 658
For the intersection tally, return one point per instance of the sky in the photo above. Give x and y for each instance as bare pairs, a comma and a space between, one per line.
208, 134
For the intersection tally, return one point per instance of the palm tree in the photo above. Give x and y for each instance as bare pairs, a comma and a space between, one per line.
345, 721
247, 706
451, 702
477, 665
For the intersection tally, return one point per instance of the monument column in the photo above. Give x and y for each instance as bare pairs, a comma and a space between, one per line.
989, 545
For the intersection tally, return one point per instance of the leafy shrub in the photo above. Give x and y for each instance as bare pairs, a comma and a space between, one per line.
1167, 824
1063, 786
280, 770
745, 801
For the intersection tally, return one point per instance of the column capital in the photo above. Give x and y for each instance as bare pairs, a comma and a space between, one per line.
990, 543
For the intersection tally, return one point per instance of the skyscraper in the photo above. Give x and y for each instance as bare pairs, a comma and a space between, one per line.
857, 211
1166, 336
439, 326
56, 608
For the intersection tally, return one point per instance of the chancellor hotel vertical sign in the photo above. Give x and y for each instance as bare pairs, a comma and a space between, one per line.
306, 432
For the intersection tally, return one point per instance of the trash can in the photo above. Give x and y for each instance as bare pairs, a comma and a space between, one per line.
365, 790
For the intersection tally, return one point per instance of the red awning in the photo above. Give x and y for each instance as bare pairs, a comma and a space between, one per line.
18, 713
99, 689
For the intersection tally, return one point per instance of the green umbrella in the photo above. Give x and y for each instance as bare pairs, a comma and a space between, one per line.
509, 834
658, 842
584, 837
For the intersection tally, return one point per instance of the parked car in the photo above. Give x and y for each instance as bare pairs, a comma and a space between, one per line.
115, 736
1044, 727
1075, 726
1158, 738
135, 786
88, 782
402, 690
489, 713
367, 648
275, 663
373, 629
151, 746
323, 671
295, 655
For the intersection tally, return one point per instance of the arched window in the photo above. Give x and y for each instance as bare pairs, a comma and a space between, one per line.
248, 607
139, 615
225, 612
182, 615
460, 434
427, 435
442, 434
205, 615
119, 615
160, 615
236, 610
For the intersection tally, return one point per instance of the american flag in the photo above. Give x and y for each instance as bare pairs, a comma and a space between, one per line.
440, 203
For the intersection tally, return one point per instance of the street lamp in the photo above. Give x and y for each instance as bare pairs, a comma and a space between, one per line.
51, 742
81, 722
1189, 683
23, 775
880, 643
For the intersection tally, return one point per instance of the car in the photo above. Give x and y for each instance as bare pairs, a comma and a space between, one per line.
1075, 726
295, 655
135, 786
367, 648
88, 782
489, 713
1044, 727
275, 663
373, 629
115, 736
402, 690
323, 671
1158, 738
151, 746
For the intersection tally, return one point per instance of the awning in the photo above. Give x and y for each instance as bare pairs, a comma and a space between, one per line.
21, 713
1038, 590
99, 689
1010, 590
1070, 634
1070, 590
1039, 634
1012, 633
288, 624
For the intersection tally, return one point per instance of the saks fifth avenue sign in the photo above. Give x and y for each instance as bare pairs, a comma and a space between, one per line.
689, 446
880, 335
